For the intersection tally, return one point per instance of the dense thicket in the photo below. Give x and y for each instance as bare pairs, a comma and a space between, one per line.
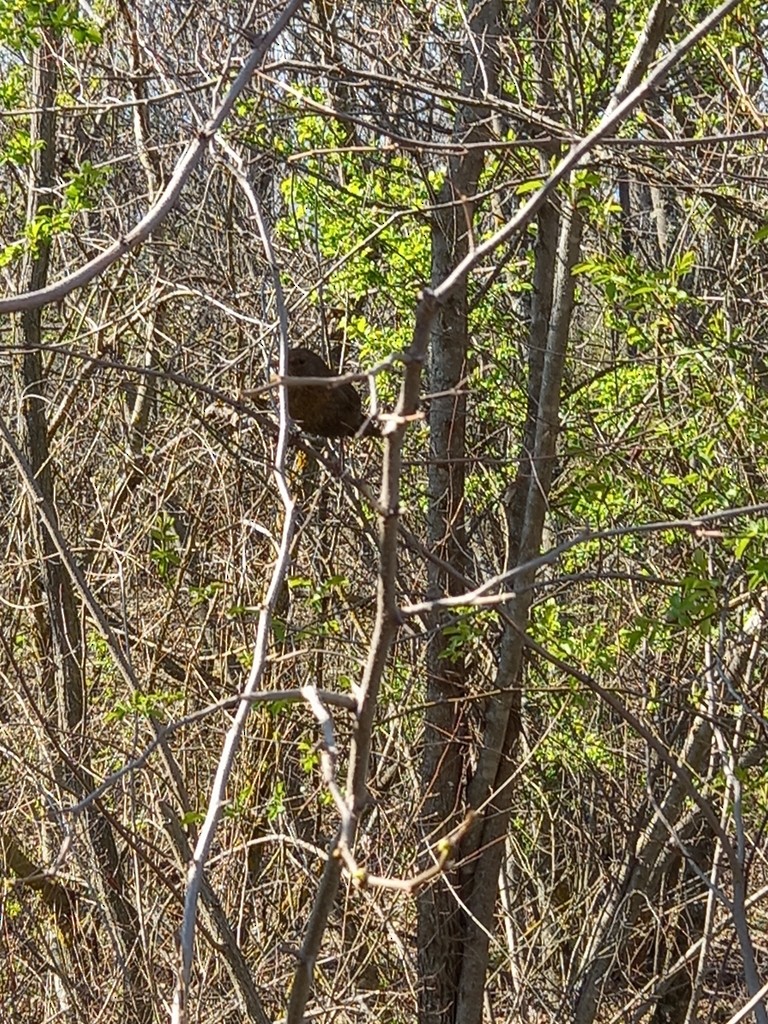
541, 793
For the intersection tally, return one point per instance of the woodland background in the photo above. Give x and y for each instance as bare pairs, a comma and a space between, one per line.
540, 598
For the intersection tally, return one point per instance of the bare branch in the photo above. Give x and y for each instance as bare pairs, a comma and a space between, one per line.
479, 597
263, 634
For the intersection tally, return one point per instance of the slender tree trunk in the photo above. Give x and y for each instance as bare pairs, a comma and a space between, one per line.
62, 653
59, 617
445, 742
490, 787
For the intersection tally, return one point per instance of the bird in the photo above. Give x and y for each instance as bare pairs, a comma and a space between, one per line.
331, 411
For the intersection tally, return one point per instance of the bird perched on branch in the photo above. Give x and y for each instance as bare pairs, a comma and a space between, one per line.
325, 410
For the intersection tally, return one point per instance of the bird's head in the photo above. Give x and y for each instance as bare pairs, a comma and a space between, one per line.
302, 362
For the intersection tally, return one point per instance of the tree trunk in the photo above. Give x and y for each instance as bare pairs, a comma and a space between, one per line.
59, 618
490, 787
445, 741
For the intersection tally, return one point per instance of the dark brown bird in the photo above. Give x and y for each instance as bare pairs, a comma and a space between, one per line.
325, 411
